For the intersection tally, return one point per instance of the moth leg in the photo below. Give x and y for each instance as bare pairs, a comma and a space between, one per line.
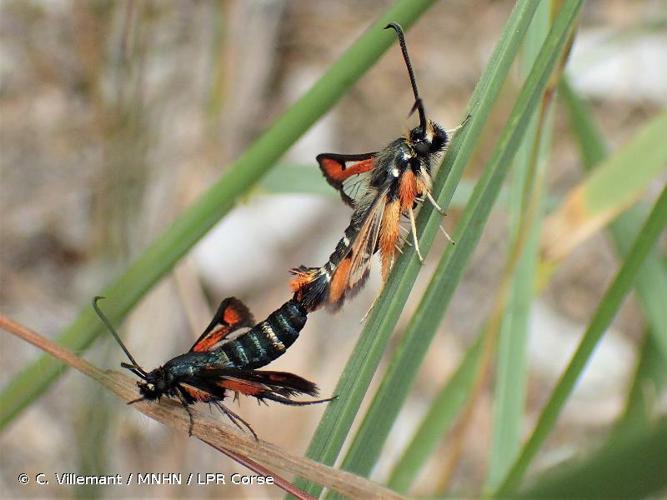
414, 234
186, 405
442, 212
444, 231
435, 204
363, 319
403, 240
235, 419
460, 126
404, 237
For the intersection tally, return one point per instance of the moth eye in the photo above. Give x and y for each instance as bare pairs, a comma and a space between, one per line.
422, 148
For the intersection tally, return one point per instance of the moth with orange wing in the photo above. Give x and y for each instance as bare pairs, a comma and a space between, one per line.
224, 360
382, 187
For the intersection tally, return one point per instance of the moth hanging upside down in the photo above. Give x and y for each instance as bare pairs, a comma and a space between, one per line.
381, 187
218, 364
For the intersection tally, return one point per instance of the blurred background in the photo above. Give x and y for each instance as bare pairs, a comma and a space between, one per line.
115, 116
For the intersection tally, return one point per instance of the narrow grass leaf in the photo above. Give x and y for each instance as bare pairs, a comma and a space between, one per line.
607, 191
296, 179
602, 318
647, 384
439, 419
527, 208
410, 352
651, 282
632, 467
359, 370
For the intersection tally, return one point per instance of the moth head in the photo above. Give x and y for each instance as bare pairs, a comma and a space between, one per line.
154, 384
428, 140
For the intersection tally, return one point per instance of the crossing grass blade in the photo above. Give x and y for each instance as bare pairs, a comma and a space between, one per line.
439, 419
526, 212
409, 354
161, 256
607, 191
651, 282
647, 384
359, 370
631, 466
296, 179
607, 309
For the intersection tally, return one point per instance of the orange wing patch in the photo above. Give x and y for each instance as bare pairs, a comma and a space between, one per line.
302, 279
213, 338
231, 315
407, 190
336, 172
339, 281
242, 386
346, 173
389, 235
197, 394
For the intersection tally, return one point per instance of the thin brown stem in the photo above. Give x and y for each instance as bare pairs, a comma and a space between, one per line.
279, 481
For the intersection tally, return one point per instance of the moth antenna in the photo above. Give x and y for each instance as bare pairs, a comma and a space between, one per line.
134, 367
419, 105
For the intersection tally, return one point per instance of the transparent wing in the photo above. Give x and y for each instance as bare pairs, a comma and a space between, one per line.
348, 174
366, 242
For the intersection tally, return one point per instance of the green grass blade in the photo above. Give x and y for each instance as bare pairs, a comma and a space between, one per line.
632, 467
608, 190
591, 143
403, 366
648, 236
512, 358
359, 370
439, 419
292, 179
651, 283
160, 257
647, 384
526, 215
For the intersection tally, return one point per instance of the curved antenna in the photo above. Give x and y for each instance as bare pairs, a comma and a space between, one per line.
419, 105
134, 367
137, 370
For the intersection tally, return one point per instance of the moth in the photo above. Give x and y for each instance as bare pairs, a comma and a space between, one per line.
224, 359
381, 187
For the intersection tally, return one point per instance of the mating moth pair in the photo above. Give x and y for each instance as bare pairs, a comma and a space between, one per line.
382, 188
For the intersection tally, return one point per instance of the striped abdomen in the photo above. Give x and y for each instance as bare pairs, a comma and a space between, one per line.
312, 285
267, 340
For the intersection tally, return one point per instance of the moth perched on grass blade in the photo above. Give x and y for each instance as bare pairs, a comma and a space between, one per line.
218, 363
381, 187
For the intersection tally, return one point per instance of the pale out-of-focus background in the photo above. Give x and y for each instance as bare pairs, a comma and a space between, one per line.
114, 116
